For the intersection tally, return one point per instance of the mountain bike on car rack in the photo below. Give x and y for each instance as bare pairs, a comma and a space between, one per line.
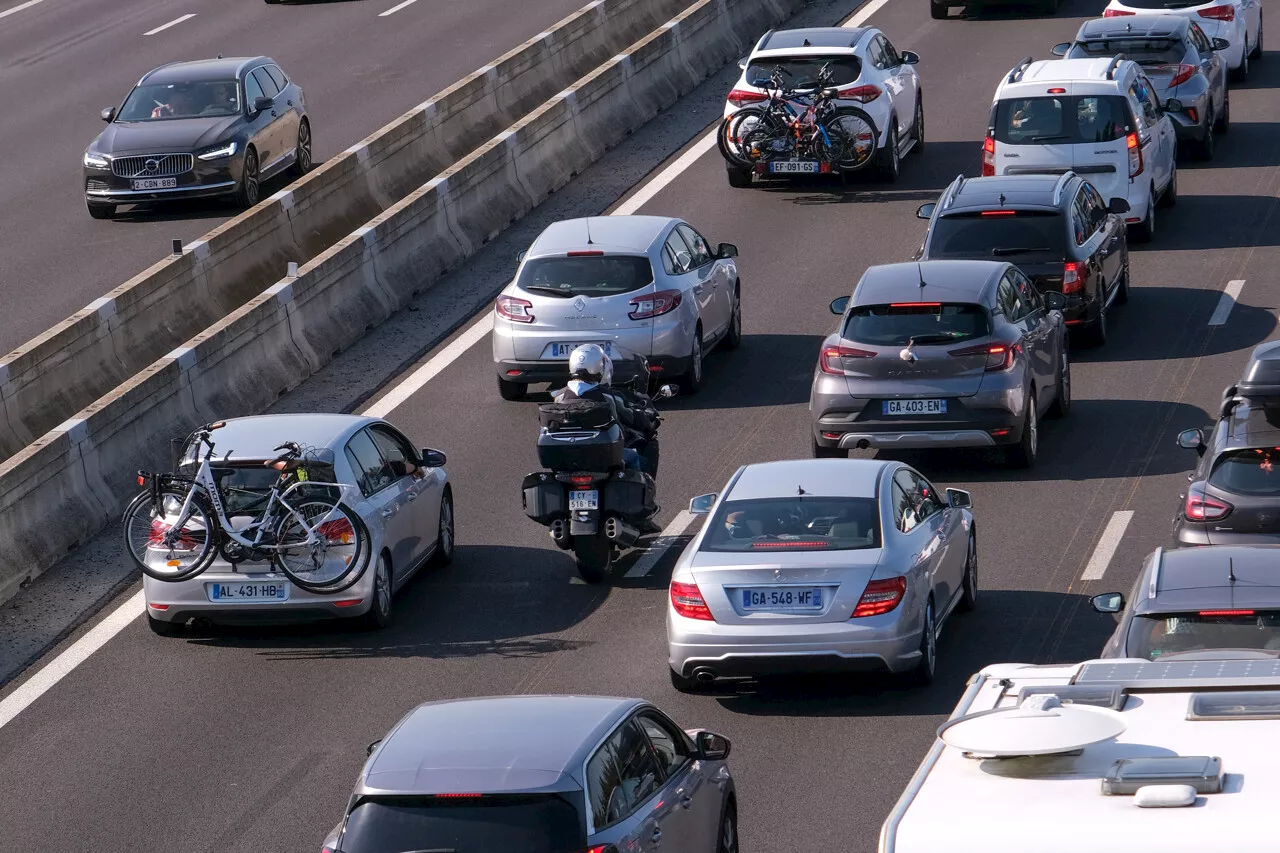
174, 529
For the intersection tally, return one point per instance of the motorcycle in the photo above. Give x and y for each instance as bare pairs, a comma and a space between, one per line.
592, 504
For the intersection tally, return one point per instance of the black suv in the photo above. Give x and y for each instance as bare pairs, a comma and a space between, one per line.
1234, 496
1055, 228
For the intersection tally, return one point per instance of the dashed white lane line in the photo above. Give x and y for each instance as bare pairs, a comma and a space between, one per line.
1226, 302
15, 9
670, 536
172, 23
1107, 545
396, 8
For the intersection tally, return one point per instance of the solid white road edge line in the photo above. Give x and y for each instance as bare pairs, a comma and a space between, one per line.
7, 12
396, 8
1107, 545
172, 23
53, 672
1226, 302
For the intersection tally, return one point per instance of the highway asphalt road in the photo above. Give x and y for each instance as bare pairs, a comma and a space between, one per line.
62, 61
250, 740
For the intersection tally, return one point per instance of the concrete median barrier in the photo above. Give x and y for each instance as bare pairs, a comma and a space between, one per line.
50, 377
83, 471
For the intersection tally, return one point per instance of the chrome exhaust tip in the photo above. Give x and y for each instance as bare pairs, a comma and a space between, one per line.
863, 444
560, 533
704, 674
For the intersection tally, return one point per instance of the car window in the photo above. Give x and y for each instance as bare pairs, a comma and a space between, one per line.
1146, 51
528, 823
1061, 120
875, 53
1097, 207
162, 101
1156, 636
586, 275
1080, 220
1007, 299
892, 59
801, 71
1027, 292
366, 462
927, 323
676, 246
1254, 472
668, 743
904, 505
269, 87
700, 250
974, 235
278, 76
1142, 95
1199, 39
794, 523
919, 493
621, 775
396, 451
252, 90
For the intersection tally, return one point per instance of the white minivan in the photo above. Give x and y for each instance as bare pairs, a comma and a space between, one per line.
1100, 118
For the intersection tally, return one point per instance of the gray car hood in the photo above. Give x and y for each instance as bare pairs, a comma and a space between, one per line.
163, 137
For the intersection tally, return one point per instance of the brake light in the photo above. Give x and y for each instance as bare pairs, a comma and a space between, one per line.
1073, 275
741, 97
1192, 114
453, 796
337, 532
999, 213
655, 304
687, 601
1057, 90
155, 538
1181, 73
513, 309
999, 356
988, 157
1219, 13
1201, 507
861, 94
915, 304
826, 359
880, 597
1135, 154
582, 479
790, 543
584, 253
1116, 13
1226, 612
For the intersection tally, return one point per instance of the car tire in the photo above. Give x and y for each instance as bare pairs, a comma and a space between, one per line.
733, 338
593, 555
938, 11
1223, 124
739, 179
1122, 295
381, 607
1170, 197
1023, 454
1241, 74
917, 130
890, 162
969, 585
1062, 397
1100, 329
249, 193
1145, 230
1257, 48
923, 673
684, 685
1203, 148
302, 151
691, 381
443, 555
513, 392
101, 211
165, 629
821, 452
727, 839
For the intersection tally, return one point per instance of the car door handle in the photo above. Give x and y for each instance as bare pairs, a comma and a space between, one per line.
686, 801
657, 836
387, 512
411, 496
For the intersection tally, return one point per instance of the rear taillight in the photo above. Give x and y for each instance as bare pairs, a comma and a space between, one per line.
687, 601
515, 310
337, 532
1181, 73
1201, 507
602, 848
999, 356
861, 94
880, 597
159, 530
1135, 154
827, 360
655, 304
582, 479
742, 97
1073, 275
1116, 13
1219, 13
989, 157
1192, 114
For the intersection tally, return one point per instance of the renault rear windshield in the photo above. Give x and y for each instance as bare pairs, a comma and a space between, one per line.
585, 275
800, 72
466, 823
1144, 51
795, 523
998, 233
1255, 471
921, 323
1060, 119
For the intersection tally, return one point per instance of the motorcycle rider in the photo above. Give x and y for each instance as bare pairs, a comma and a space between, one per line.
592, 372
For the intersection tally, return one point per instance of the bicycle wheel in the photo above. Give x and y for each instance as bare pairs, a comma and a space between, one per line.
733, 131
853, 138
161, 551
339, 556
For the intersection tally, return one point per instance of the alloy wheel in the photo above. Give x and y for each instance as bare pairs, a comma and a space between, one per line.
303, 154
382, 587
1033, 424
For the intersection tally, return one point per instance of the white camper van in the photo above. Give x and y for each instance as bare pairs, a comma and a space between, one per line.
1106, 756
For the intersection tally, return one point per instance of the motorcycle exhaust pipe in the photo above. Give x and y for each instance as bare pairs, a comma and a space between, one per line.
618, 531
560, 534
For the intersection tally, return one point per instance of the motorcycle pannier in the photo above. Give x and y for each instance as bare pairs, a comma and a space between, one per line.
544, 498
575, 414
581, 450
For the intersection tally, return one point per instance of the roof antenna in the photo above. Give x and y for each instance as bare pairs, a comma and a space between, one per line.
589, 241
800, 491
1002, 199
920, 272
807, 44
219, 56
1231, 570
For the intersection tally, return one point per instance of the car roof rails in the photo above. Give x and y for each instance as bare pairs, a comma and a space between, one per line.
1018, 70
1114, 65
955, 191
1061, 185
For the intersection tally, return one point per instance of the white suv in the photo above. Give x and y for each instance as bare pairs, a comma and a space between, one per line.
1237, 21
1100, 118
868, 70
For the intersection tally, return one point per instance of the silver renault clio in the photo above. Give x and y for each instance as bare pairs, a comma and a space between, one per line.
646, 287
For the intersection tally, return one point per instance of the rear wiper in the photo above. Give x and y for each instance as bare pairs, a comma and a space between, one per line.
1049, 138
1020, 250
547, 288
935, 338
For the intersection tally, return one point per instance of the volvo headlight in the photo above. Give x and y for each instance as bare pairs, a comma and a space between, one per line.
94, 160
219, 152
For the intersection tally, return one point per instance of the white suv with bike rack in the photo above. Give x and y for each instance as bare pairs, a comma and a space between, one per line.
1100, 118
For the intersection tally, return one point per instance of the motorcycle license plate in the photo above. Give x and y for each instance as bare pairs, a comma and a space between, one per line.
584, 499
793, 167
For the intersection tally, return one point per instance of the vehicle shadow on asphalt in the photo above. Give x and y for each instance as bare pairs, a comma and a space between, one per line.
922, 178
1249, 144
505, 619
1009, 626
768, 370
979, 12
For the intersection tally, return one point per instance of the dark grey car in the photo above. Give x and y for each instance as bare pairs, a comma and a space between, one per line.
941, 354
1208, 603
212, 127
1182, 63
541, 774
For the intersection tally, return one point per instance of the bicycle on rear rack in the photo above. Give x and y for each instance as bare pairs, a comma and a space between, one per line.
175, 528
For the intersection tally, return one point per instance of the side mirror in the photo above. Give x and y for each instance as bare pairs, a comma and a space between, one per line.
262, 103
1061, 49
726, 250
839, 305
108, 114
1055, 301
909, 57
959, 499
371, 747
1173, 105
1191, 439
925, 211
1221, 44
702, 504
712, 747
1108, 602
1118, 206
742, 63
433, 458
666, 392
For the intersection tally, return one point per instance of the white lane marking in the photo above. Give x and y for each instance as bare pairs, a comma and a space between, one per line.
1107, 545
61, 666
414, 382
1227, 302
670, 536
7, 12
397, 8
172, 23
865, 12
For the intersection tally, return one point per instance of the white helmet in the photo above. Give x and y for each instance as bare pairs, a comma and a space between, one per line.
588, 363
